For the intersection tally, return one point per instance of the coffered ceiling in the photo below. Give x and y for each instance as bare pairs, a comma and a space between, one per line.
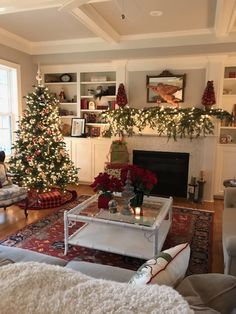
57, 26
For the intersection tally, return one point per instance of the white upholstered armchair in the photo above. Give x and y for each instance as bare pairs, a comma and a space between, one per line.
10, 193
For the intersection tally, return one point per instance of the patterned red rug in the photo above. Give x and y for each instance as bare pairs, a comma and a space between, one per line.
189, 225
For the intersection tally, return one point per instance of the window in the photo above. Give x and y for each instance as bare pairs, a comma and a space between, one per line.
8, 105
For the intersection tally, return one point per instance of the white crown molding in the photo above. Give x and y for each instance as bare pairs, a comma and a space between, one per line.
154, 40
66, 46
186, 38
24, 6
193, 32
16, 42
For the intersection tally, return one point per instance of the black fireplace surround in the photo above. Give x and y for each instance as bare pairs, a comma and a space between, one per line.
171, 169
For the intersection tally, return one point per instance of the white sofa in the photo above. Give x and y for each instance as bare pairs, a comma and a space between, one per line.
205, 293
229, 231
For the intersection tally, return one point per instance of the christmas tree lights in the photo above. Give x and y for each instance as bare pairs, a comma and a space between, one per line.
40, 160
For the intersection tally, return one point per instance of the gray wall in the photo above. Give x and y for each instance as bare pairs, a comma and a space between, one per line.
194, 87
28, 71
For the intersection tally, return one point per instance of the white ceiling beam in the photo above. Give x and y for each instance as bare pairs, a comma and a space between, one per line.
96, 23
224, 17
83, 11
71, 4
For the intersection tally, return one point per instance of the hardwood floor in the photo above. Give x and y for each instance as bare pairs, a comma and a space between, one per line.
14, 219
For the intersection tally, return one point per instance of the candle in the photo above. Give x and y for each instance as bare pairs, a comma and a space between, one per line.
137, 211
202, 175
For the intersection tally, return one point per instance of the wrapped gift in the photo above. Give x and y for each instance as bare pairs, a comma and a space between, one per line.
119, 152
49, 199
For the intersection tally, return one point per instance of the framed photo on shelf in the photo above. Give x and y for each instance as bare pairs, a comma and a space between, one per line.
78, 127
95, 132
92, 105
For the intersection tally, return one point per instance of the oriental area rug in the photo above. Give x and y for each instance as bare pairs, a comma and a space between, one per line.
189, 225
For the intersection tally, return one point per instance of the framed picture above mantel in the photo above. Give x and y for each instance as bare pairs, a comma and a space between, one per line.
165, 87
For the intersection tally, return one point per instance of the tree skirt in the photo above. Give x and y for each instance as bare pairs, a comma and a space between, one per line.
189, 225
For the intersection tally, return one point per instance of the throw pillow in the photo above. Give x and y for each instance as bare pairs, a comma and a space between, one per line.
167, 268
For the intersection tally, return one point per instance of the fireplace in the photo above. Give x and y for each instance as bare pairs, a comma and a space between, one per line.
171, 169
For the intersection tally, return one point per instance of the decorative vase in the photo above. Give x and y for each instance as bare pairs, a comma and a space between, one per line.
137, 200
104, 199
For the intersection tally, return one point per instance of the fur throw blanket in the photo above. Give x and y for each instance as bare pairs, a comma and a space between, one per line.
33, 288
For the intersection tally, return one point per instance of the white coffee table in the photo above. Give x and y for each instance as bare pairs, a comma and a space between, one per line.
136, 236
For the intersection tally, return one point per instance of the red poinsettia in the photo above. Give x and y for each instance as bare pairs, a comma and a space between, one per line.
142, 179
106, 183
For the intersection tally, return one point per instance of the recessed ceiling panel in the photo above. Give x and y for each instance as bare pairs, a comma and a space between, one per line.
44, 25
178, 15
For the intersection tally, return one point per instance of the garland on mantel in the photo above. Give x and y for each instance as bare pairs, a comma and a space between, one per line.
171, 122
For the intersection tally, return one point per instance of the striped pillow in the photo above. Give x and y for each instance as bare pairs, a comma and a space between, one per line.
167, 268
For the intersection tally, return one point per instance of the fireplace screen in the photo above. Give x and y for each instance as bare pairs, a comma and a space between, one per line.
171, 169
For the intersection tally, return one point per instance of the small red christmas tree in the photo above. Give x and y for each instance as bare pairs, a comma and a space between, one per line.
208, 97
121, 98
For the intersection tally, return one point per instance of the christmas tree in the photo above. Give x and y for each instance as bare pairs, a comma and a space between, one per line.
121, 98
208, 98
40, 160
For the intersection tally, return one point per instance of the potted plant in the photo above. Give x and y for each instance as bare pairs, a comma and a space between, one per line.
142, 180
107, 184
